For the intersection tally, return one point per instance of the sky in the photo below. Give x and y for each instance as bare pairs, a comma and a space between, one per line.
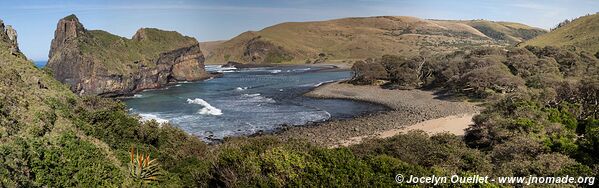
35, 20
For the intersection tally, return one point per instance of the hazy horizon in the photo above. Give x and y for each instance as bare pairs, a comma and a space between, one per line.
35, 21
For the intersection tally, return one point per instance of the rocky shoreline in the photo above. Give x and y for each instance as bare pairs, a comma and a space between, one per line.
408, 107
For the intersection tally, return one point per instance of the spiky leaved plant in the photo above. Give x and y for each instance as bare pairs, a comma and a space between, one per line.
142, 167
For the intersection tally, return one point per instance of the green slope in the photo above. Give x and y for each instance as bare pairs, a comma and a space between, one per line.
51, 137
505, 31
582, 33
366, 37
119, 53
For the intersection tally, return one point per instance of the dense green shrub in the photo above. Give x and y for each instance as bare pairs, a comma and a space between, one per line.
51, 163
367, 72
482, 72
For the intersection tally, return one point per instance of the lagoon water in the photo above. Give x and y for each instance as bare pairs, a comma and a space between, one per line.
245, 101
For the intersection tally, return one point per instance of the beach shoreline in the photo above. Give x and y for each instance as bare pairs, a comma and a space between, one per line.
409, 110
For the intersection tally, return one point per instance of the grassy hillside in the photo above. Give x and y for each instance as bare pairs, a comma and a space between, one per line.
582, 33
209, 46
119, 53
50, 137
505, 31
359, 38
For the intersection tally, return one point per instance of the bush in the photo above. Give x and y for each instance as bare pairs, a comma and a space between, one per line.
483, 82
589, 147
441, 151
404, 73
367, 72
72, 162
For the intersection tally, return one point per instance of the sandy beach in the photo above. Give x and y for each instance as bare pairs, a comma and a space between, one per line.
410, 110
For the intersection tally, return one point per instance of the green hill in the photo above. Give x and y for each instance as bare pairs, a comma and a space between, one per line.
95, 62
582, 33
49, 137
505, 31
119, 54
359, 38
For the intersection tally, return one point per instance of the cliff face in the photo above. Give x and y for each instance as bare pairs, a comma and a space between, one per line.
9, 36
99, 63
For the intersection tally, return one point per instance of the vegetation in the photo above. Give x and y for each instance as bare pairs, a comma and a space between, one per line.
581, 33
362, 38
482, 72
541, 119
142, 167
121, 55
505, 31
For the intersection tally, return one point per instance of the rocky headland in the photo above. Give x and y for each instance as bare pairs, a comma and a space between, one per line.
95, 62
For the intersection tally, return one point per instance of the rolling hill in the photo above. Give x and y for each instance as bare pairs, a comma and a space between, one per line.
582, 33
365, 37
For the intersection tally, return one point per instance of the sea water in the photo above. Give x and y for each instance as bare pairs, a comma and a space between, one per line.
245, 101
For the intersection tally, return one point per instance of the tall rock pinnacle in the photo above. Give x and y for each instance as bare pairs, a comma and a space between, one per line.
68, 28
8, 34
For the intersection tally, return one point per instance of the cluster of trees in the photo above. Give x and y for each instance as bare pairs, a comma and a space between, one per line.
479, 72
543, 119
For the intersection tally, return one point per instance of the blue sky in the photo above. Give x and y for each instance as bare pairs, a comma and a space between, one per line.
35, 20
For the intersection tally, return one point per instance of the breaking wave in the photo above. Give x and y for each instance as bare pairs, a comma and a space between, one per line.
325, 82
219, 68
208, 109
150, 117
256, 98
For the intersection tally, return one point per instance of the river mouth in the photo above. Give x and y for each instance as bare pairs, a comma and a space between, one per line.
247, 101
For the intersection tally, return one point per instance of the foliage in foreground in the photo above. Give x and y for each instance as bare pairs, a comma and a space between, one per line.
548, 126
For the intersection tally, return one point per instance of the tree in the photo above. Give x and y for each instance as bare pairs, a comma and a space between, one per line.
367, 72
589, 95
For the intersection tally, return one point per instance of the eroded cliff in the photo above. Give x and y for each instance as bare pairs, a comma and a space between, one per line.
9, 36
95, 62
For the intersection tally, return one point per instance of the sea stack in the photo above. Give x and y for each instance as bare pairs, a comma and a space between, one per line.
95, 62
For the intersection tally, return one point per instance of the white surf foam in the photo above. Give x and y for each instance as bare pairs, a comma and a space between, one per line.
208, 109
150, 117
302, 70
219, 68
275, 71
325, 82
241, 88
256, 98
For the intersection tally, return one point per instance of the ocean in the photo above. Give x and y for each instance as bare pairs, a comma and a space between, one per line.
245, 101
40, 64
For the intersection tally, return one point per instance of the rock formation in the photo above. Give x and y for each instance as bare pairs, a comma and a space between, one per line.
9, 35
95, 62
